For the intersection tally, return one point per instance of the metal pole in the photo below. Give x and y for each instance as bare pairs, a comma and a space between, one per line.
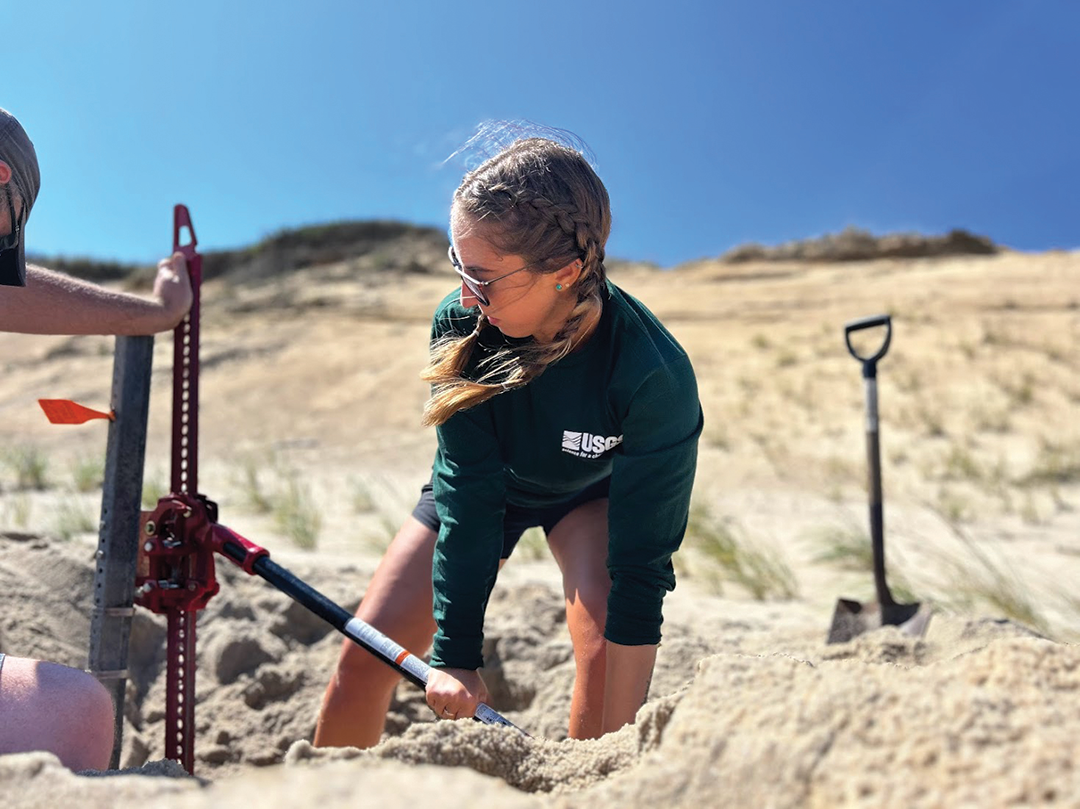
114, 579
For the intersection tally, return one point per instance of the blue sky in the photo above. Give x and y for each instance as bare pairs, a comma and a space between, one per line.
712, 124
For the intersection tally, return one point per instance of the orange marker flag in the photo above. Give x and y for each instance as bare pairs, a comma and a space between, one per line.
65, 411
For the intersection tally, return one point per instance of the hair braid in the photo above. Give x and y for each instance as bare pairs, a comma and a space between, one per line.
543, 201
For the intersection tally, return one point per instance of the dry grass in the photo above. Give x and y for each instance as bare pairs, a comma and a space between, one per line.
717, 552
845, 546
74, 516
979, 577
88, 472
296, 513
28, 464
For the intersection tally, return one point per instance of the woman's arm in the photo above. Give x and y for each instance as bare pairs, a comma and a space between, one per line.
470, 494
649, 500
652, 478
53, 303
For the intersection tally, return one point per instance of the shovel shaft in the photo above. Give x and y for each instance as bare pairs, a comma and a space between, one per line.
408, 665
873, 485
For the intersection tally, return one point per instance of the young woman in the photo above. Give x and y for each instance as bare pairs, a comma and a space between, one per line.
559, 401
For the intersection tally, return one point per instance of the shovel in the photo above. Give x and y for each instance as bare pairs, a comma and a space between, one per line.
853, 618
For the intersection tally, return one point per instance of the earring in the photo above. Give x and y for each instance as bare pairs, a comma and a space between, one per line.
558, 287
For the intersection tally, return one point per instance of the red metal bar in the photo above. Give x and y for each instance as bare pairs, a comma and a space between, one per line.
185, 438
180, 690
180, 677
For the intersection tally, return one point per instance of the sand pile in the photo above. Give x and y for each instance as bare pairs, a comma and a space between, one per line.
973, 713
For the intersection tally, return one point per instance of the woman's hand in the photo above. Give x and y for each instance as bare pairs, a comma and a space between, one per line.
455, 693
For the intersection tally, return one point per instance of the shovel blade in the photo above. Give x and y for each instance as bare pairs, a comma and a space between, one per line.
853, 618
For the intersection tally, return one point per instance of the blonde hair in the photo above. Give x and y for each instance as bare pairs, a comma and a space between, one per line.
540, 200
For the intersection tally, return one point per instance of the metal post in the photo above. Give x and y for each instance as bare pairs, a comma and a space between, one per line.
114, 580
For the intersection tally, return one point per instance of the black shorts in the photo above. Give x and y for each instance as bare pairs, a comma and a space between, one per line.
517, 519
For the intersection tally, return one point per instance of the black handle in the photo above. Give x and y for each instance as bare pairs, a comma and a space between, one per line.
869, 363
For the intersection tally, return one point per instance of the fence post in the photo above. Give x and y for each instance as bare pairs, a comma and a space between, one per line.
121, 502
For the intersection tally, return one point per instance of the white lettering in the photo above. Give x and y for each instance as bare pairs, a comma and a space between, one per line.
587, 445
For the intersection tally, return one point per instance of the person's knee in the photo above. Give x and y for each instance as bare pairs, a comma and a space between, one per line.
100, 724
358, 666
85, 717
587, 635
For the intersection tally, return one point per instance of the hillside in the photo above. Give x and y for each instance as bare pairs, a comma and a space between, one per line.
310, 419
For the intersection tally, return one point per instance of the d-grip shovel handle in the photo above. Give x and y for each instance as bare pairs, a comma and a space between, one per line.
869, 363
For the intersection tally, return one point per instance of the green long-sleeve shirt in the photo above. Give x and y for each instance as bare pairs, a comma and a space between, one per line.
624, 405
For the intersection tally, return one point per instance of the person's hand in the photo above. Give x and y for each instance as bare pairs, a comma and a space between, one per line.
172, 288
455, 693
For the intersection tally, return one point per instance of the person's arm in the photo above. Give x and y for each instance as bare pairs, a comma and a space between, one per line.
627, 675
649, 501
470, 498
54, 303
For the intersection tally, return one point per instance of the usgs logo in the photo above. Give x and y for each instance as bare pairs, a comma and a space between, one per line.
587, 445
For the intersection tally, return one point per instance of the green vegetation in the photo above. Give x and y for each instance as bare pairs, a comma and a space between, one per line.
154, 488
29, 465
1054, 464
73, 516
363, 502
88, 473
846, 546
713, 552
978, 577
532, 547
296, 514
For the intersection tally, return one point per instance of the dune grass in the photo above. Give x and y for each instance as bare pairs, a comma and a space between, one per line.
532, 547
88, 472
154, 488
715, 553
73, 516
29, 466
296, 513
18, 509
846, 546
979, 576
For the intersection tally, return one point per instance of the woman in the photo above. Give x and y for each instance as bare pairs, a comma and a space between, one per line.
559, 401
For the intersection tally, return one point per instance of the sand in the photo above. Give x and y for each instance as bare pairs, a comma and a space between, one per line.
749, 706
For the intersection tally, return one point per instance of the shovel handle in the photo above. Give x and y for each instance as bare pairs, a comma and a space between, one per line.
870, 362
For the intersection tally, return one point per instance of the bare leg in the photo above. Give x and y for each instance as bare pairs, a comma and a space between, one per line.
64, 711
579, 544
398, 604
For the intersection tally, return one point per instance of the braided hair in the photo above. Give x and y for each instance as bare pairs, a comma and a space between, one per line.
540, 200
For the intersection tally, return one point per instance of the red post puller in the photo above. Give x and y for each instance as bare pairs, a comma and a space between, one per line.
178, 539
175, 576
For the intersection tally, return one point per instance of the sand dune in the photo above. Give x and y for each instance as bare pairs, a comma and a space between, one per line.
309, 381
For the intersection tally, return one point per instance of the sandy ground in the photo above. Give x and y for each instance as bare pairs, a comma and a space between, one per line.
310, 405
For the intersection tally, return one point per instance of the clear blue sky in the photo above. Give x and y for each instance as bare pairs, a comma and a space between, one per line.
712, 123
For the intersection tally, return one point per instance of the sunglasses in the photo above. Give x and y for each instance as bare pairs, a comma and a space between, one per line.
475, 285
11, 240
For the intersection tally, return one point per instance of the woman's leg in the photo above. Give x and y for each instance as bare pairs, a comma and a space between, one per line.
398, 604
65, 711
579, 543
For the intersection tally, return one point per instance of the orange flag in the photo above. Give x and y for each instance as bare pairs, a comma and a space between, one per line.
65, 411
